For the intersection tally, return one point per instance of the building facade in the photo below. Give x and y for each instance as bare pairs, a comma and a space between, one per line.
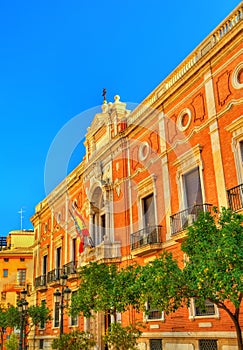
16, 269
143, 173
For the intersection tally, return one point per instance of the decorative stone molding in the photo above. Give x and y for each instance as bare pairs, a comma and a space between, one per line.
237, 77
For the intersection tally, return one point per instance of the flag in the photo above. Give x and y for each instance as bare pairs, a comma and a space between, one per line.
80, 228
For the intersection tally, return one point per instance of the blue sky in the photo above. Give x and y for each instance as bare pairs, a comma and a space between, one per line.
56, 57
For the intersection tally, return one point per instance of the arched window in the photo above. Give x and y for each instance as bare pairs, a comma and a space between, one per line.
98, 216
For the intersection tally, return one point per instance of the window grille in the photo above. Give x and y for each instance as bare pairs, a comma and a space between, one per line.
155, 344
208, 344
155, 315
208, 310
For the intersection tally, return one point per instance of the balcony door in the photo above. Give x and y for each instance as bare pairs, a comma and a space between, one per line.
148, 211
192, 188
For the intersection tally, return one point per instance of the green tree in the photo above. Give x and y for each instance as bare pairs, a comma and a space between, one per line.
12, 342
122, 338
39, 314
74, 340
161, 282
9, 317
214, 271
105, 288
3, 322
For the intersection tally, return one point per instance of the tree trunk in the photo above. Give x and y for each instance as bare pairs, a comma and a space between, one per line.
235, 319
238, 333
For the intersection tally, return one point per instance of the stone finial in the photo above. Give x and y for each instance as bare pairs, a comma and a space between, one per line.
117, 98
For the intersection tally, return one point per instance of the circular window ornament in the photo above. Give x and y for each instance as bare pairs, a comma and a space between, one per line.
237, 77
184, 119
59, 218
143, 151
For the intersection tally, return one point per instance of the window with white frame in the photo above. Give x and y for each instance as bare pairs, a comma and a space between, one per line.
191, 192
98, 229
209, 309
189, 177
153, 314
192, 188
148, 210
236, 128
21, 276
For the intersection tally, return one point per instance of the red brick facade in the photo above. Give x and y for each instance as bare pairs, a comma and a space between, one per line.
137, 173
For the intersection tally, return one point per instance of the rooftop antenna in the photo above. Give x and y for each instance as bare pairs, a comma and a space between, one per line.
21, 218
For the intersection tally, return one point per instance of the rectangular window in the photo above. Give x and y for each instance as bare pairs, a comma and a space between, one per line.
103, 226
44, 265
58, 263
56, 314
192, 186
208, 310
154, 314
5, 272
22, 259
241, 151
148, 210
6, 259
58, 257
208, 344
21, 276
155, 344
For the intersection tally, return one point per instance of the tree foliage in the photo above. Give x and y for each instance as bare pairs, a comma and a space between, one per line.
161, 282
39, 314
12, 342
74, 341
214, 271
122, 338
104, 288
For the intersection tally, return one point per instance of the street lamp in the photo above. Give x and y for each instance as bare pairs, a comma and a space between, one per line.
22, 307
62, 297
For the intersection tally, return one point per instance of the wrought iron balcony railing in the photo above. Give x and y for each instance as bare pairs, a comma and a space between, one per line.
148, 235
54, 275
181, 220
40, 281
70, 268
235, 197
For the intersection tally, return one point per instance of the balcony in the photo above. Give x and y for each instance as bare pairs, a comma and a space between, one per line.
235, 197
40, 282
14, 287
105, 250
70, 269
53, 276
181, 220
146, 240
